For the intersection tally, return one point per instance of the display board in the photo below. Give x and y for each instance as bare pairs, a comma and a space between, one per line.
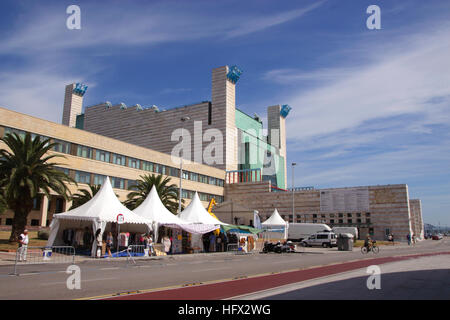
344, 200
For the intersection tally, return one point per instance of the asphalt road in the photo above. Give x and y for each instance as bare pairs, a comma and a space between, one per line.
104, 278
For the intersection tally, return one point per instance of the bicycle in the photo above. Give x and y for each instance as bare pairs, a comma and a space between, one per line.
372, 247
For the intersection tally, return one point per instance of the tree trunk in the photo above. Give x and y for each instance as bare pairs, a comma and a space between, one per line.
19, 222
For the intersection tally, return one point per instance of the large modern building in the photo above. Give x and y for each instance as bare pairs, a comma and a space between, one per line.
216, 133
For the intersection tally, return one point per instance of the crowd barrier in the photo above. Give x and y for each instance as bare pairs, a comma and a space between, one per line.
27, 255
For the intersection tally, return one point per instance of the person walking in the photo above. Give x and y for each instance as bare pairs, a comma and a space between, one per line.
23, 245
167, 243
109, 243
408, 237
393, 241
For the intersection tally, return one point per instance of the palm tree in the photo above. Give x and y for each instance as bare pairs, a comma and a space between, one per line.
167, 193
84, 196
3, 205
25, 172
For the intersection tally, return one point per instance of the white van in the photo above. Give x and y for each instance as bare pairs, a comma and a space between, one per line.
300, 231
324, 239
351, 230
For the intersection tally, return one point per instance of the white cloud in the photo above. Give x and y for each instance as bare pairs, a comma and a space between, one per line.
404, 80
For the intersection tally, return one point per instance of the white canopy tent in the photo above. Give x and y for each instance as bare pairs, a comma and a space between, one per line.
276, 224
195, 213
197, 216
103, 208
154, 210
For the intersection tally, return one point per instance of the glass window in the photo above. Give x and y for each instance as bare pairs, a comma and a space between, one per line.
62, 146
314, 215
101, 155
19, 132
367, 220
34, 222
118, 183
82, 177
134, 163
219, 182
358, 220
59, 205
367, 214
194, 176
341, 221
212, 180
37, 203
203, 196
174, 172
349, 221
349, 215
84, 152
331, 220
99, 179
118, 159
147, 166
131, 183
186, 175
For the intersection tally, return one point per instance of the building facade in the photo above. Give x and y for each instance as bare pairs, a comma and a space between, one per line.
90, 157
376, 210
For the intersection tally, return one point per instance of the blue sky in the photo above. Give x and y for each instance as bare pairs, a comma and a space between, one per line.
369, 106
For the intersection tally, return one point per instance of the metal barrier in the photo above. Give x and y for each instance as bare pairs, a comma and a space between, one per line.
232, 247
139, 251
26, 255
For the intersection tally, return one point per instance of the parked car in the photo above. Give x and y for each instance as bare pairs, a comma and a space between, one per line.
437, 236
300, 231
324, 239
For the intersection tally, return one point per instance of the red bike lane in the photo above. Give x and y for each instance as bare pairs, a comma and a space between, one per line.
233, 288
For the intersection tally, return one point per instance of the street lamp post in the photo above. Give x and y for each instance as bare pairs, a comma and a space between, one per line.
293, 201
183, 119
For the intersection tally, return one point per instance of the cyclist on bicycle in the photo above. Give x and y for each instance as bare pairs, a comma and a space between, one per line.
368, 242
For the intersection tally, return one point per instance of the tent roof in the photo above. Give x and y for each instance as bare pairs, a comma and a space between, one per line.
104, 206
153, 209
196, 213
274, 220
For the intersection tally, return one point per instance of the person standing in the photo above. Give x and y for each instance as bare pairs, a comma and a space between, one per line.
23, 245
167, 243
99, 242
408, 237
212, 242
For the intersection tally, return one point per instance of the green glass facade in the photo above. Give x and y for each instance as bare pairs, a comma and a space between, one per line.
255, 153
